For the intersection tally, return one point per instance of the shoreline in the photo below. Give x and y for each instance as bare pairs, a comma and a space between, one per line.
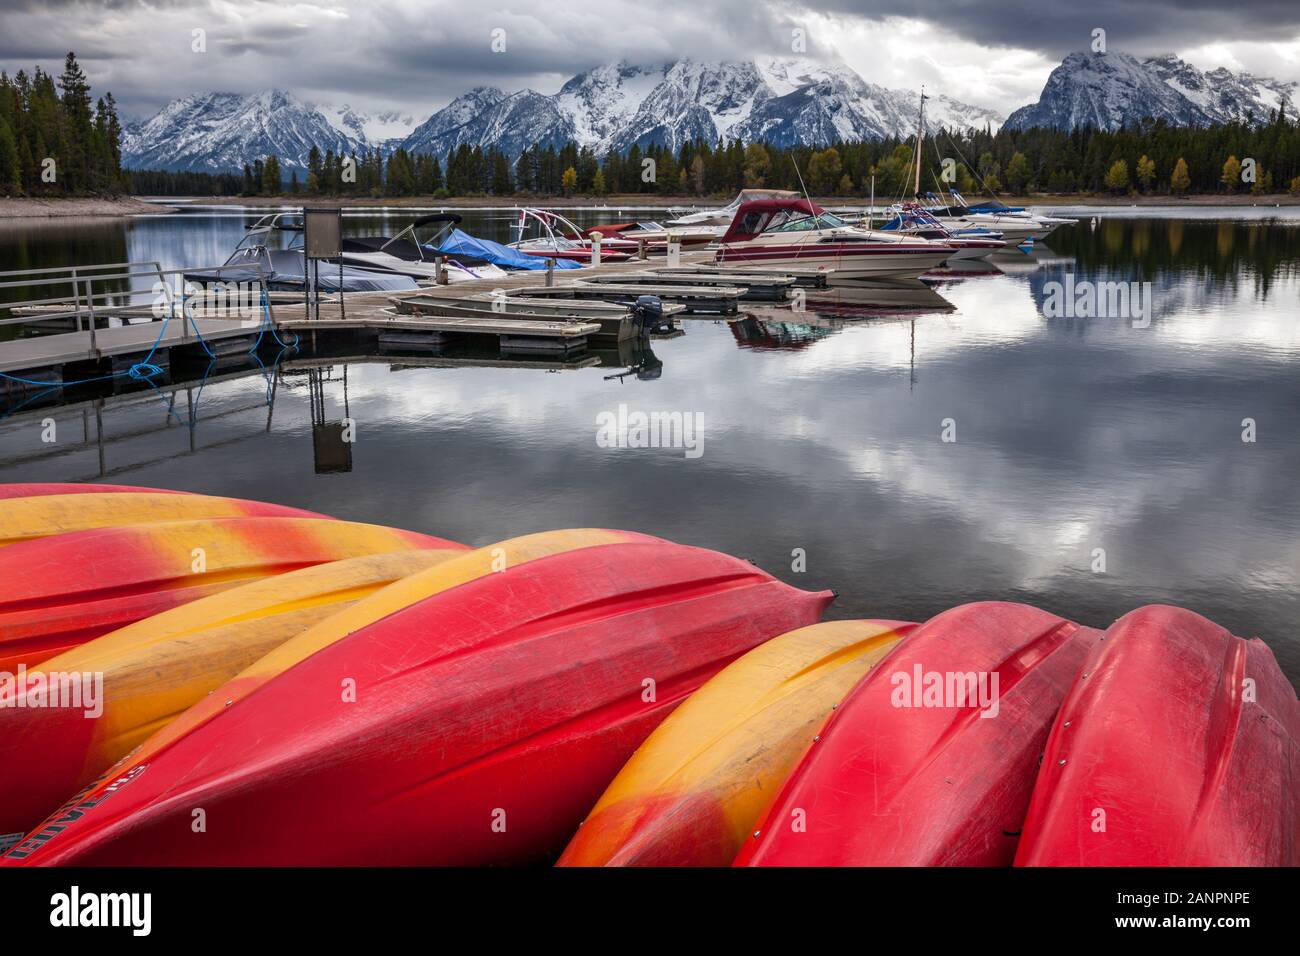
60, 208
18, 208
633, 200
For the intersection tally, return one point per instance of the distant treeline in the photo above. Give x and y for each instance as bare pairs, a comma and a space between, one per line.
1149, 158
53, 140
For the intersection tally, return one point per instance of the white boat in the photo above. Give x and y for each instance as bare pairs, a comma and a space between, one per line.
1018, 225
404, 254
560, 238
910, 219
717, 220
798, 232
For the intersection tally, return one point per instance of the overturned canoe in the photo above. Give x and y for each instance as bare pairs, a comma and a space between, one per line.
476, 725
1178, 745
692, 792
36, 489
29, 518
90, 706
931, 758
64, 590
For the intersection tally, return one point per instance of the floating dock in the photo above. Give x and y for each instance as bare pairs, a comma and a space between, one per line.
524, 312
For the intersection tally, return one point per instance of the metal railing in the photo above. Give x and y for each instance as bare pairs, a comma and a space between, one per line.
82, 300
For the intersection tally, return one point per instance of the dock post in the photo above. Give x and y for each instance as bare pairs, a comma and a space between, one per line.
674, 251
595, 248
550, 272
90, 304
439, 271
640, 249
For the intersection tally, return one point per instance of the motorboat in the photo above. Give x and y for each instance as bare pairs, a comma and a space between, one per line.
558, 238
405, 254
717, 220
798, 232
1017, 225
654, 235
285, 269
912, 220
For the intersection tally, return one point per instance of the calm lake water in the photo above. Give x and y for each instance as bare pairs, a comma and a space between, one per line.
821, 432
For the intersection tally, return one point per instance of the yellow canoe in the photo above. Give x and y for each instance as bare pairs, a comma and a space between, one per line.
694, 789
26, 519
154, 669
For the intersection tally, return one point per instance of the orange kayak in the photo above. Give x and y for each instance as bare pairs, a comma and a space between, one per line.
691, 793
66, 589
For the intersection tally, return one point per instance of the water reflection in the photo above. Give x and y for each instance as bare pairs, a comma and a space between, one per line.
822, 433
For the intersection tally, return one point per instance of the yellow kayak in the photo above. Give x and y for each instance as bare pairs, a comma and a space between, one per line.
692, 792
158, 667
28, 518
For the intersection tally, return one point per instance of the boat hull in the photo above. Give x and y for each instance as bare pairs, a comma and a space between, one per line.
67, 589
904, 776
1178, 745
847, 262
692, 792
485, 721
155, 669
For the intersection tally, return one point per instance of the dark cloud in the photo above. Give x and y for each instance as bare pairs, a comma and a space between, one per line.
1057, 27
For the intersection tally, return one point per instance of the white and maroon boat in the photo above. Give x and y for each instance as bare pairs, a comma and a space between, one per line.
798, 232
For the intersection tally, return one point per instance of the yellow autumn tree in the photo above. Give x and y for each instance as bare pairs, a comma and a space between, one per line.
1231, 173
1181, 179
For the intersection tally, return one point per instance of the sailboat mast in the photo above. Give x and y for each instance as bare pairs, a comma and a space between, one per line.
920, 132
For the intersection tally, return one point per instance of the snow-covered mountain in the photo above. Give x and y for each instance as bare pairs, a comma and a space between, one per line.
614, 106
1105, 90
215, 132
376, 130
619, 105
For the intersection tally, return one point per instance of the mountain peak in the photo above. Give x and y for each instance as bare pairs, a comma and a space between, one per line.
1106, 90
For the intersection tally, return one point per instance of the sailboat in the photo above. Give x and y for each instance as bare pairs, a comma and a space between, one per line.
1015, 225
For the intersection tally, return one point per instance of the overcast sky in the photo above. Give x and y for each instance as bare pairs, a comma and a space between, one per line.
416, 55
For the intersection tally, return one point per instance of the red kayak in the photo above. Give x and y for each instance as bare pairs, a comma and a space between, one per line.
66, 589
1178, 745
931, 758
477, 726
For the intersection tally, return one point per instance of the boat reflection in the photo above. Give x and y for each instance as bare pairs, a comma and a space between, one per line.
826, 311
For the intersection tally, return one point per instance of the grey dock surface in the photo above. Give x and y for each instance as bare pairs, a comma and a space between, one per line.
375, 312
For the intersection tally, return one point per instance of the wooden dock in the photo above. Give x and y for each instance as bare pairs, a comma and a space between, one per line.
693, 285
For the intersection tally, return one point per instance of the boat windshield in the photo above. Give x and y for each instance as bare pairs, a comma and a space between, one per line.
803, 222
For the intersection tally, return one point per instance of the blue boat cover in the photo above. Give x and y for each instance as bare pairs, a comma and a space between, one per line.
459, 243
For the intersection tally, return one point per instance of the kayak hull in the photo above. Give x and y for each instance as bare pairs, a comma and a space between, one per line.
911, 773
31, 518
692, 792
475, 726
149, 672
66, 589
1178, 745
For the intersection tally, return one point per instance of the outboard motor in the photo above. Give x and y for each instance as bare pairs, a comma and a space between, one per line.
648, 313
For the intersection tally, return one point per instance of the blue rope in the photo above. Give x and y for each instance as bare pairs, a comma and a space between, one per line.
144, 370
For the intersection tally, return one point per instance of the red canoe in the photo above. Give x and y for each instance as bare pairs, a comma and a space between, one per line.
484, 721
64, 590
1178, 745
904, 776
